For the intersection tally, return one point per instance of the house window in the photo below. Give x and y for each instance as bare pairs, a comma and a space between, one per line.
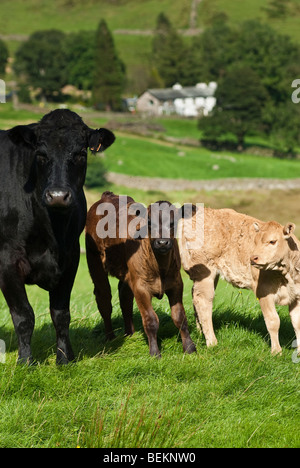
151, 102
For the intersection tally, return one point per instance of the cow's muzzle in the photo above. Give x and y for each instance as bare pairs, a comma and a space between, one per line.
254, 259
162, 245
57, 198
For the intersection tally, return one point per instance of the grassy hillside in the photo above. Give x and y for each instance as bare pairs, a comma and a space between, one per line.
24, 17
20, 17
137, 156
238, 11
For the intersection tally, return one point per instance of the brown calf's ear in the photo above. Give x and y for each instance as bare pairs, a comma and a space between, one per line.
100, 139
288, 230
187, 211
256, 227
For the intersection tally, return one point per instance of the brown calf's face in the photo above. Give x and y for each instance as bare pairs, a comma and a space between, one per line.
271, 244
162, 217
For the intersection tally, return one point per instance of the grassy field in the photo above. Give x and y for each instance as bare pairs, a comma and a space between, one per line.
132, 14
79, 15
116, 395
235, 395
139, 156
135, 155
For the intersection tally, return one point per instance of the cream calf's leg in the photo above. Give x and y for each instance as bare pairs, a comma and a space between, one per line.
203, 295
295, 318
272, 322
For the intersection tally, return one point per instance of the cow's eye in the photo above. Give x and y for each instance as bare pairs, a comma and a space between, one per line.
273, 242
42, 159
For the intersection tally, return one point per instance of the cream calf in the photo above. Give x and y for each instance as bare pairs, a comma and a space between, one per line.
224, 249
277, 250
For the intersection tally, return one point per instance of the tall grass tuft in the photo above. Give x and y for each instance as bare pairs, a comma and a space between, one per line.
142, 428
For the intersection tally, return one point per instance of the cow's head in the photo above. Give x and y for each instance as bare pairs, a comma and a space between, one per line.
272, 243
161, 226
163, 218
60, 142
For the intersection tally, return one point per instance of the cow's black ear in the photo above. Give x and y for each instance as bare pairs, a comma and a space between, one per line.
100, 139
23, 134
187, 211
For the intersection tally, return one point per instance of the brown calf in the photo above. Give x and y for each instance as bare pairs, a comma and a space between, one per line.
145, 266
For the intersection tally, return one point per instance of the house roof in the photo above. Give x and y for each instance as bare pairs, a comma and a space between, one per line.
170, 94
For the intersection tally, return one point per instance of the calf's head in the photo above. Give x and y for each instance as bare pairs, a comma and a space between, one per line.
163, 218
161, 226
60, 142
272, 243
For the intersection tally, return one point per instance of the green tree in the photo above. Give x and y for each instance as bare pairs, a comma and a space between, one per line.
41, 61
284, 133
275, 61
80, 59
241, 98
3, 57
169, 52
214, 51
273, 56
109, 71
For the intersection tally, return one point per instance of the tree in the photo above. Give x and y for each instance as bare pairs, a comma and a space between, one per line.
214, 51
241, 98
80, 59
109, 71
41, 61
274, 61
273, 56
3, 57
169, 52
284, 132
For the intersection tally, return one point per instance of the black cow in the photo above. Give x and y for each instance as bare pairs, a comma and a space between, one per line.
42, 213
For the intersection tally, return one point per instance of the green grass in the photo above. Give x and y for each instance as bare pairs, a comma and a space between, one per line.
22, 17
137, 156
252, 9
235, 395
10, 117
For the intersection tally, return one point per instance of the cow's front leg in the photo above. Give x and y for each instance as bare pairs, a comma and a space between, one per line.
272, 321
60, 310
21, 312
126, 303
179, 318
203, 295
149, 317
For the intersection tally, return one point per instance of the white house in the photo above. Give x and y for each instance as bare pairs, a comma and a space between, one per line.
188, 101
